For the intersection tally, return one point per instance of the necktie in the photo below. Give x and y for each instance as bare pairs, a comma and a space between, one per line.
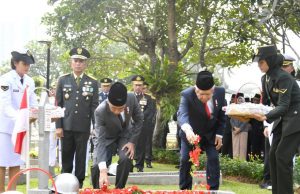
121, 120
78, 80
207, 110
22, 80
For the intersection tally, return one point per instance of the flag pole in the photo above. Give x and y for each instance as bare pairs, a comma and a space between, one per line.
28, 159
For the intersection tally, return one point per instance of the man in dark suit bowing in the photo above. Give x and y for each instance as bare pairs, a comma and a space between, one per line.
200, 113
118, 125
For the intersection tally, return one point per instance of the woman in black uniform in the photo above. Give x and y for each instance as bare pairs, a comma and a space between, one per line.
281, 91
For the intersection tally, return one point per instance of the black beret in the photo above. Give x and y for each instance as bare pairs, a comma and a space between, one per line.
247, 99
138, 79
240, 94
117, 95
106, 81
264, 52
26, 57
205, 80
79, 53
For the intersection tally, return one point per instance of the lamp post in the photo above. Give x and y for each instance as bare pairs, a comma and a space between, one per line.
48, 43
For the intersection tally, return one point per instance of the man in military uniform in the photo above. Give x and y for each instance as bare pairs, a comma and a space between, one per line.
147, 109
78, 94
150, 126
105, 87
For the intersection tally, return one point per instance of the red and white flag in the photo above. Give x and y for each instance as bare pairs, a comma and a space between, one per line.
21, 128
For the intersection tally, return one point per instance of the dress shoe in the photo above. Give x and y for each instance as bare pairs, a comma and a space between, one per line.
149, 166
266, 185
140, 170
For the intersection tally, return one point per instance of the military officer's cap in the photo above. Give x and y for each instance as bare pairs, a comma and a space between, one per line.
288, 60
105, 81
79, 53
24, 56
137, 79
264, 52
117, 95
205, 80
239, 95
233, 96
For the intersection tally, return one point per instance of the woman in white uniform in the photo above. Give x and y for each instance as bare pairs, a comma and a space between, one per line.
12, 86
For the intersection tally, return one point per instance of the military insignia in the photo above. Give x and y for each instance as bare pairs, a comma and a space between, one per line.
105, 80
90, 83
29, 53
87, 98
67, 96
138, 78
79, 51
4, 88
277, 90
84, 93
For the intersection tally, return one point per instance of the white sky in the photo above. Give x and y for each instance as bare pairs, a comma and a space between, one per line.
20, 23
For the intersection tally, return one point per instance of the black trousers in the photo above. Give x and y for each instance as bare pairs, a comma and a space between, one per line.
227, 144
123, 168
148, 148
140, 149
74, 142
282, 152
267, 176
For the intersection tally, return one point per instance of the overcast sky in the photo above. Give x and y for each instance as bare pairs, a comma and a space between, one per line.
20, 23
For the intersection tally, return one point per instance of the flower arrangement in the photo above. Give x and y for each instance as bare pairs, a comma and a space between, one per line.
194, 158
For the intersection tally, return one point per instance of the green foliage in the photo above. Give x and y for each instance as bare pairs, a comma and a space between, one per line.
166, 156
252, 170
297, 171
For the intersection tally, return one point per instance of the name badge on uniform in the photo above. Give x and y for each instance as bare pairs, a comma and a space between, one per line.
15, 90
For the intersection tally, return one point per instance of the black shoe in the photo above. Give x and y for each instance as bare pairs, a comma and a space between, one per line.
265, 185
140, 170
149, 166
177, 166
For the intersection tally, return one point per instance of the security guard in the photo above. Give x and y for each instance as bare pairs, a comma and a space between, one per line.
282, 91
12, 86
78, 94
105, 87
147, 109
150, 125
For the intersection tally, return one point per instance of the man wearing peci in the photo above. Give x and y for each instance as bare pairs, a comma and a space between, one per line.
78, 94
200, 113
118, 126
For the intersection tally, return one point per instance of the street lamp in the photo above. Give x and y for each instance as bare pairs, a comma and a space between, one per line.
48, 43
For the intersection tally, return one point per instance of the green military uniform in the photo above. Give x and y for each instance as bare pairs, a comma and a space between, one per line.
148, 108
79, 97
282, 91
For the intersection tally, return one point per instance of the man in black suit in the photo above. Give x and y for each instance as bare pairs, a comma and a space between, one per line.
119, 120
78, 94
200, 112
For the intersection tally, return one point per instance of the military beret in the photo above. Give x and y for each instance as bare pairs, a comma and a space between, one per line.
79, 53
264, 52
288, 60
138, 79
105, 81
240, 94
205, 80
117, 95
24, 56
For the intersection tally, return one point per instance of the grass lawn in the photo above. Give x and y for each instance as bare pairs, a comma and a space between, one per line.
228, 185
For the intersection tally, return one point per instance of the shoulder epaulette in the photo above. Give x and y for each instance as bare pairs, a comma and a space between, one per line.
91, 77
65, 74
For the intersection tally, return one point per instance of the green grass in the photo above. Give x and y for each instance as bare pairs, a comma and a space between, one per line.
228, 185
